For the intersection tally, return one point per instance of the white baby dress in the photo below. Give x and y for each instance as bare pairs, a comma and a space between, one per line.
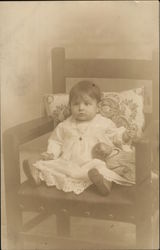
71, 143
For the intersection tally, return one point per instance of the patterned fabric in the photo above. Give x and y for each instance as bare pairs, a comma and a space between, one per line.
56, 106
124, 108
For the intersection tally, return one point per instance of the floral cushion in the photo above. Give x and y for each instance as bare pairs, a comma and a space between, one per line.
56, 106
124, 108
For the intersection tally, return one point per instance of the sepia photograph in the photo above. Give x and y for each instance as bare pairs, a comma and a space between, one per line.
79, 125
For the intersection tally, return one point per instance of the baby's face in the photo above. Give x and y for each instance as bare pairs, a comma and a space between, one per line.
84, 108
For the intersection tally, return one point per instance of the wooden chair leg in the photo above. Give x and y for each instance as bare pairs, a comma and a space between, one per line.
144, 218
63, 223
144, 233
143, 206
14, 223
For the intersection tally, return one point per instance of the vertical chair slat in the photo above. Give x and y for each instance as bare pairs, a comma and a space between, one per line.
155, 82
58, 73
143, 205
12, 182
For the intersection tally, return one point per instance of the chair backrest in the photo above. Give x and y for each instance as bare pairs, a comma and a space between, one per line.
135, 69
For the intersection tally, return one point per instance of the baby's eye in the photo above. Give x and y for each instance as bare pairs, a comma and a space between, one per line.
87, 103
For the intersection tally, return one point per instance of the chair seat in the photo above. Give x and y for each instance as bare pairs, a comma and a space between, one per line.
88, 203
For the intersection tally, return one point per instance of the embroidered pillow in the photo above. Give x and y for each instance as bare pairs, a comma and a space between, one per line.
124, 108
56, 106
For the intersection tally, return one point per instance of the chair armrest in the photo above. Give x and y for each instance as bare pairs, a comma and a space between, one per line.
30, 130
13, 138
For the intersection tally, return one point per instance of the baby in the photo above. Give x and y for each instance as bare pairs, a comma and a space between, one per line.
70, 162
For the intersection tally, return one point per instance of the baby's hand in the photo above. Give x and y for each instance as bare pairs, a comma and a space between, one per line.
47, 156
132, 131
117, 142
129, 133
126, 137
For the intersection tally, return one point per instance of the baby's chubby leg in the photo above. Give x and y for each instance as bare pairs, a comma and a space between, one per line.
81, 172
69, 169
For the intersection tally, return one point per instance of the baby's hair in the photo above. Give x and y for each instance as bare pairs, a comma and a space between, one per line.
85, 88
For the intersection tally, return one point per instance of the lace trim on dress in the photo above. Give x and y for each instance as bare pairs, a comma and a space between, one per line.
64, 183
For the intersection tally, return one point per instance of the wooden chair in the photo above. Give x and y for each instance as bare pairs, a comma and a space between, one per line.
126, 204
